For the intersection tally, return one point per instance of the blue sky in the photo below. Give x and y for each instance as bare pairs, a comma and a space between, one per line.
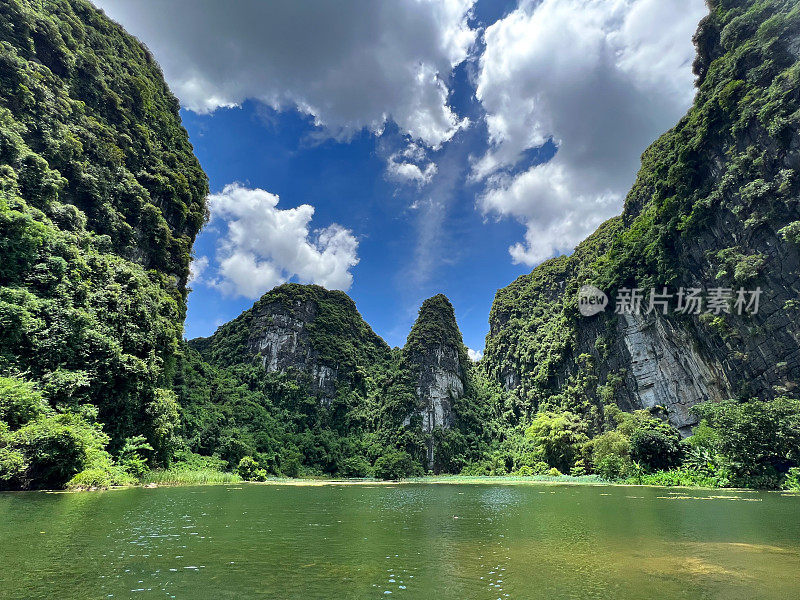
400, 150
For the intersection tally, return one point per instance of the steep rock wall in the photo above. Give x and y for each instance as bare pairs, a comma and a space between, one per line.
307, 329
716, 204
434, 354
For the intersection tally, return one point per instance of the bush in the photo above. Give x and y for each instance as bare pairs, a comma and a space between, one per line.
792, 481
579, 469
290, 465
397, 464
480, 469
654, 444
189, 461
657, 448
20, 402
612, 467
757, 440
99, 478
559, 438
554, 472
677, 477
355, 466
609, 447
248, 468
55, 448
540, 468
130, 458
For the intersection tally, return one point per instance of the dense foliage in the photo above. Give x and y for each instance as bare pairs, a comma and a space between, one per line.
100, 200
274, 422
716, 204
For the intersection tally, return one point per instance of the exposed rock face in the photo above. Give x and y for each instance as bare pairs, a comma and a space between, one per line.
435, 356
715, 205
665, 370
316, 332
439, 381
280, 340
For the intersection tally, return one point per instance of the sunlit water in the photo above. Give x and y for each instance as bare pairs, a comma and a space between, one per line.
400, 542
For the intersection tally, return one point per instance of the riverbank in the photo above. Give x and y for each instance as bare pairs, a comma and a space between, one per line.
184, 478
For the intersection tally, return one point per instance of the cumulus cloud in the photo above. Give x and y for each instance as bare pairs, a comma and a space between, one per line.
349, 64
411, 165
474, 355
601, 80
262, 246
197, 267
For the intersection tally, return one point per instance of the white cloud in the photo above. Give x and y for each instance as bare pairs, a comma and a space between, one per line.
411, 165
197, 267
263, 246
409, 172
602, 79
350, 64
474, 355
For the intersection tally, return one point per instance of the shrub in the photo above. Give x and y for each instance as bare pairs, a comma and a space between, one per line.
559, 437
20, 402
554, 472
476, 469
612, 467
100, 478
397, 464
654, 444
791, 233
247, 469
55, 448
130, 458
579, 469
355, 466
677, 477
757, 440
540, 468
611, 444
792, 481
656, 449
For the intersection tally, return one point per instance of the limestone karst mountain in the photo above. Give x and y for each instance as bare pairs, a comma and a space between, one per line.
716, 206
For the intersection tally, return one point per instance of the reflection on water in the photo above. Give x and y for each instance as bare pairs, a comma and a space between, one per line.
410, 541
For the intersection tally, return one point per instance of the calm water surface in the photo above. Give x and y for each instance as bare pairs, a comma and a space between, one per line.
400, 542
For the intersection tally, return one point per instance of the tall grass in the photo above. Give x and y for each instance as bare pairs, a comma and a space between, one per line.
189, 477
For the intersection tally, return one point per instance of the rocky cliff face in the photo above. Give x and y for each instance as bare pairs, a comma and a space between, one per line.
315, 332
716, 205
280, 340
434, 355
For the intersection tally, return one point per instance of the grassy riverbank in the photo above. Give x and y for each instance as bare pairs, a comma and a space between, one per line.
190, 477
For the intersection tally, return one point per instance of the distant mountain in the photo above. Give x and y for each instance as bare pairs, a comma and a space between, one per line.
407, 399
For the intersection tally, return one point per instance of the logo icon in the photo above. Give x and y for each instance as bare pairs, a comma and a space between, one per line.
591, 300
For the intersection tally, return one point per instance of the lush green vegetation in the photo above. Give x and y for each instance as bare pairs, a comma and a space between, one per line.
721, 183
100, 201
273, 424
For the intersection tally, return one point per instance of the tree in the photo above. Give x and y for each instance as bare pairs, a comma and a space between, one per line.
559, 437
397, 464
758, 439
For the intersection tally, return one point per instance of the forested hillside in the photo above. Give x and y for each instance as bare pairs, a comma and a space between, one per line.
715, 207
101, 198
300, 384
100, 201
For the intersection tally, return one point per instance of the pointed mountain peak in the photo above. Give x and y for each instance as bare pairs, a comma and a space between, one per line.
436, 324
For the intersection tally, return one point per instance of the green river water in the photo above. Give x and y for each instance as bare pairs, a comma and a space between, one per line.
546, 541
